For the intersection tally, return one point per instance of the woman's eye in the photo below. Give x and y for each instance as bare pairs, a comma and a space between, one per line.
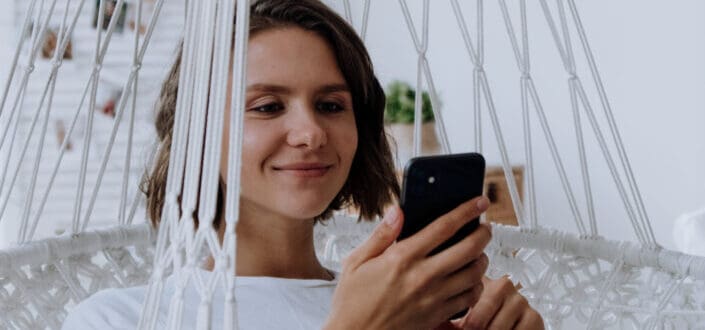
267, 108
330, 107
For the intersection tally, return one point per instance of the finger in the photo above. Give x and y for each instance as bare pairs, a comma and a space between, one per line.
530, 320
461, 253
510, 313
489, 304
465, 278
443, 228
381, 238
457, 323
462, 301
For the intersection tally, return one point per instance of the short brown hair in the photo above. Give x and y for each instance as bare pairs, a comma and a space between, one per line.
371, 183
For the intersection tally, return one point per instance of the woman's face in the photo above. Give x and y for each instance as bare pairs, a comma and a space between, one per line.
299, 129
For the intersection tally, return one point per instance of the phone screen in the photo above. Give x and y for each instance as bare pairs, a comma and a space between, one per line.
435, 185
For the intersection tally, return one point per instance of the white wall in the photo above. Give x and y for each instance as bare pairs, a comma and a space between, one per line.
652, 59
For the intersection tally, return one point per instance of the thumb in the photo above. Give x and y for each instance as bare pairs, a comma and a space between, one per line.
381, 238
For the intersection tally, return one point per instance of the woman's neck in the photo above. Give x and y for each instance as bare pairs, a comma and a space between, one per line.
276, 246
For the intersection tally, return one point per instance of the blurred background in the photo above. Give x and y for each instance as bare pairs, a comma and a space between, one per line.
651, 56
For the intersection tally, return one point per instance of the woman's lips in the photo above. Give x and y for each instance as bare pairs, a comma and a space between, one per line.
304, 170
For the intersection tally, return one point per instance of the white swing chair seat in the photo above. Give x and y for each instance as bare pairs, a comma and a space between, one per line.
41, 280
564, 276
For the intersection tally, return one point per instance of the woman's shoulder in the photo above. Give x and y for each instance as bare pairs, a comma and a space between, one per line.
108, 309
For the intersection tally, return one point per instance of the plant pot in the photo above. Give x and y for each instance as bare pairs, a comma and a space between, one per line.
403, 141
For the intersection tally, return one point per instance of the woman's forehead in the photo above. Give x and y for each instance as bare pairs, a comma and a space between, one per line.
288, 57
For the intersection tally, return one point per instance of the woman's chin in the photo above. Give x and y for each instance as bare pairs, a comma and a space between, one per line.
299, 206
306, 213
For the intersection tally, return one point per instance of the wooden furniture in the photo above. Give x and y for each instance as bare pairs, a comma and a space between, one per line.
497, 190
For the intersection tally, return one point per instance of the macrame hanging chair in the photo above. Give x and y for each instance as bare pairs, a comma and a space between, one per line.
89, 182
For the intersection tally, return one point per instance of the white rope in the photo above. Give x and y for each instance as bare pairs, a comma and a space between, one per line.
506, 165
182, 233
198, 118
476, 80
130, 130
522, 59
62, 151
18, 280
63, 247
526, 119
421, 47
97, 67
477, 58
347, 11
56, 63
137, 200
568, 61
194, 157
216, 106
423, 71
20, 99
15, 58
597, 248
637, 224
607, 108
211, 164
177, 158
27, 207
365, 17
482, 89
606, 285
106, 155
37, 39
664, 300
237, 112
15, 116
583, 163
120, 109
436, 107
620, 308
27, 140
570, 66
565, 50
365, 20
122, 281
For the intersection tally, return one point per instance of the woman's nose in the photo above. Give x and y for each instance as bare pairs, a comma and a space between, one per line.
306, 129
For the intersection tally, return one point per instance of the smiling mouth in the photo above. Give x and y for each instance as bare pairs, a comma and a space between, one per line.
305, 171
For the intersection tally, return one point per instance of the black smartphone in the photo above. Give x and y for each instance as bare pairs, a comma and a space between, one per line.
434, 186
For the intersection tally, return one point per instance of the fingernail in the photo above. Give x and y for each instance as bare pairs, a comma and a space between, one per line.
483, 204
392, 216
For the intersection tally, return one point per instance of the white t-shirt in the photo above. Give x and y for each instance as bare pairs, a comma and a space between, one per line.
263, 303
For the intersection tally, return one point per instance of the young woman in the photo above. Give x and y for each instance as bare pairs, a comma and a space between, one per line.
314, 142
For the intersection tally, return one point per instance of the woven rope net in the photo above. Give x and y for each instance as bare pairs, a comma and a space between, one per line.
572, 278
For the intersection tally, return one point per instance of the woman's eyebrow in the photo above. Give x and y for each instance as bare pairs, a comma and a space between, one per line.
332, 88
269, 88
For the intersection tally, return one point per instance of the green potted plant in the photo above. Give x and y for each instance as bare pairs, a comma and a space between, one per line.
399, 120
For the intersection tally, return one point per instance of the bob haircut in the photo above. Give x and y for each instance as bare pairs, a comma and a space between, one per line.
371, 183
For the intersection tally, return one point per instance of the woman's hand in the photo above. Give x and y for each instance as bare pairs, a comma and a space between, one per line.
500, 307
399, 286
